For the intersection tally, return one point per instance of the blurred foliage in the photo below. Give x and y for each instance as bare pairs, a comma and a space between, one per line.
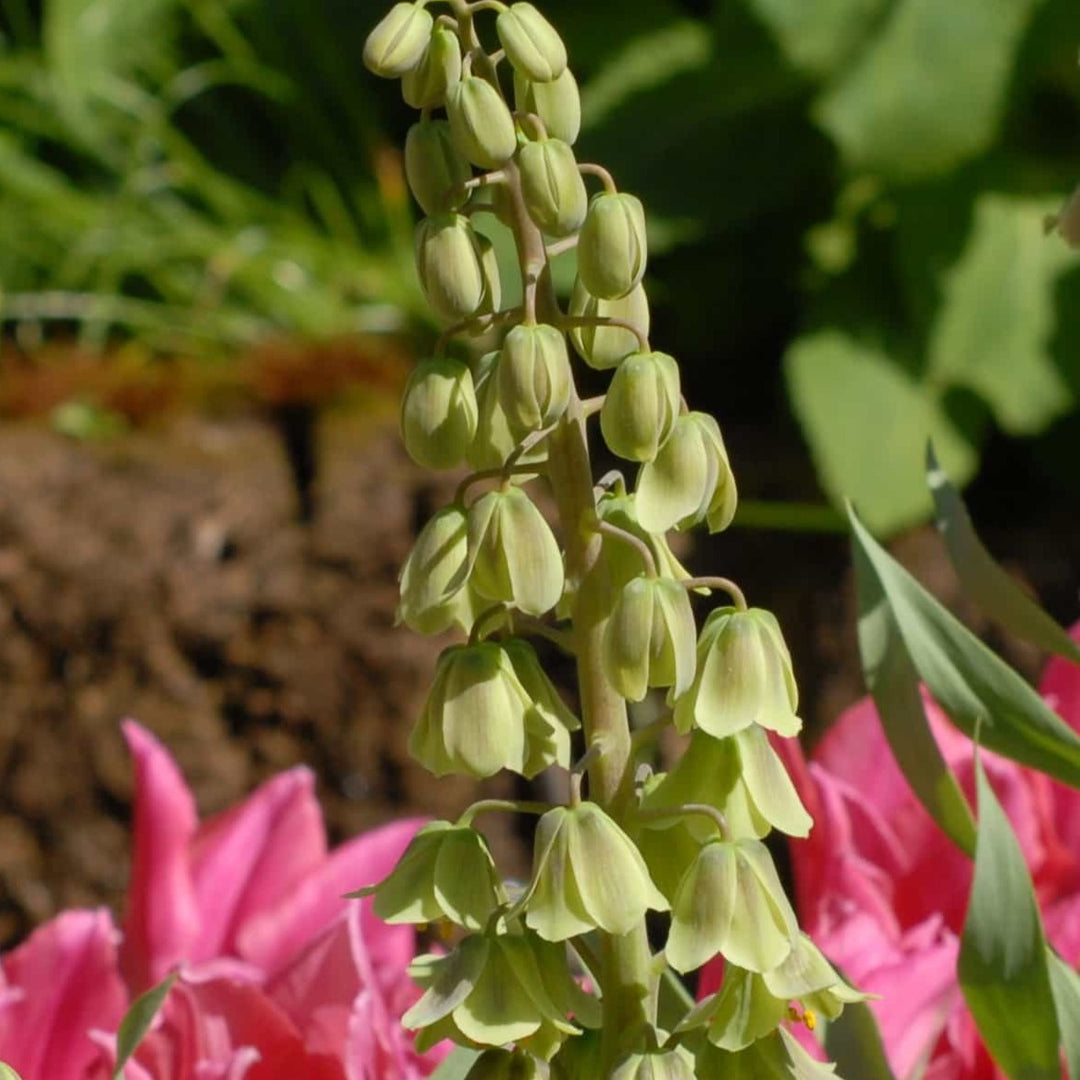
846, 197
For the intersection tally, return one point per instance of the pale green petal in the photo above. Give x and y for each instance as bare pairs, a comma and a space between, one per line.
454, 979
763, 926
668, 852
522, 957
532, 555
627, 637
746, 1011
671, 486
703, 911
680, 632
769, 785
465, 884
554, 907
498, 1010
407, 894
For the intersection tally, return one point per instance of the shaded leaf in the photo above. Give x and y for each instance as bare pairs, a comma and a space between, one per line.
854, 1043
1002, 965
983, 579
971, 683
137, 1021
456, 1065
1065, 984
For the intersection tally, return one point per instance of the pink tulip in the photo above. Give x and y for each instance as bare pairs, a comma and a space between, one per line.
278, 976
884, 893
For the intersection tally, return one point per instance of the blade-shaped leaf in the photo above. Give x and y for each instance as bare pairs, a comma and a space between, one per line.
894, 684
971, 683
1065, 984
1002, 965
456, 1065
983, 579
854, 1043
137, 1021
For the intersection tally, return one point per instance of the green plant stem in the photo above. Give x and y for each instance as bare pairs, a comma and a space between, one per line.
639, 545
508, 806
722, 583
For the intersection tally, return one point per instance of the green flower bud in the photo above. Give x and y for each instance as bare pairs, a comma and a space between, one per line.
481, 124
434, 167
651, 638
641, 405
434, 593
532, 44
557, 103
744, 677
742, 776
494, 440
454, 267
675, 1064
425, 86
587, 874
396, 45
439, 413
488, 992
730, 901
612, 249
508, 1065
446, 872
515, 557
603, 347
689, 479
553, 189
535, 379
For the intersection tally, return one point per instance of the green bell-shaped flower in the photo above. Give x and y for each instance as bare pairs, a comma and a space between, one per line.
434, 592
434, 167
557, 103
587, 874
650, 638
439, 413
675, 1064
480, 122
807, 977
743, 1011
744, 677
425, 86
603, 347
532, 44
776, 1057
612, 249
456, 267
494, 440
641, 405
731, 902
552, 186
535, 379
514, 555
446, 872
397, 43
689, 480
508, 1065
742, 776
490, 991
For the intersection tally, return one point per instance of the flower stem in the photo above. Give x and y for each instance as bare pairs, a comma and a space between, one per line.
723, 583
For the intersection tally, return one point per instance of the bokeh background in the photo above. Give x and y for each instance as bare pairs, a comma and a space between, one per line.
208, 309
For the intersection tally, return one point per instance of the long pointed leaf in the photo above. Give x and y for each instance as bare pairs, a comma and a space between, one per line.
1065, 984
1003, 956
137, 1021
971, 683
456, 1065
854, 1043
983, 579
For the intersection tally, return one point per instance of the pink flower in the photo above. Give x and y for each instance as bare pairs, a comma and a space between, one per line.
884, 893
278, 976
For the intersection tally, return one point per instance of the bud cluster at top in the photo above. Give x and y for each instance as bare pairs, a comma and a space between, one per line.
525, 978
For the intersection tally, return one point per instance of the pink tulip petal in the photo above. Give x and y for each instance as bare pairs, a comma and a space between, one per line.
1060, 685
67, 984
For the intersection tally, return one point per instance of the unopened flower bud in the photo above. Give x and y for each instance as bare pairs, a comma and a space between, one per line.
641, 405
603, 347
508, 1065
434, 167
446, 872
1067, 221
731, 902
557, 103
494, 440
481, 124
438, 413
612, 249
535, 379
434, 592
650, 638
552, 186
450, 259
587, 874
397, 44
425, 86
515, 557
532, 44
675, 1064
744, 677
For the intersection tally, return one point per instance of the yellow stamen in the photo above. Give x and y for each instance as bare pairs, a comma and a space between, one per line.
810, 1019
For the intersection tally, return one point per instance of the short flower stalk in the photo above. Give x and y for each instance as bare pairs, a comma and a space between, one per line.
560, 978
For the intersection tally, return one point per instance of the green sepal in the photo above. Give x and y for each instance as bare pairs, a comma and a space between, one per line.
397, 43
603, 347
435, 169
480, 122
439, 413
425, 86
557, 103
532, 44
776, 1057
612, 247
641, 405
453, 264
552, 187
534, 375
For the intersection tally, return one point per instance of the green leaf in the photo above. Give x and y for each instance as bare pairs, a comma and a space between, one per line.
1065, 984
137, 1021
1002, 965
929, 91
456, 1065
983, 579
997, 318
894, 685
854, 1043
966, 679
867, 424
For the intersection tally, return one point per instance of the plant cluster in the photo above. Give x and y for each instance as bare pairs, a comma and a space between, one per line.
559, 978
